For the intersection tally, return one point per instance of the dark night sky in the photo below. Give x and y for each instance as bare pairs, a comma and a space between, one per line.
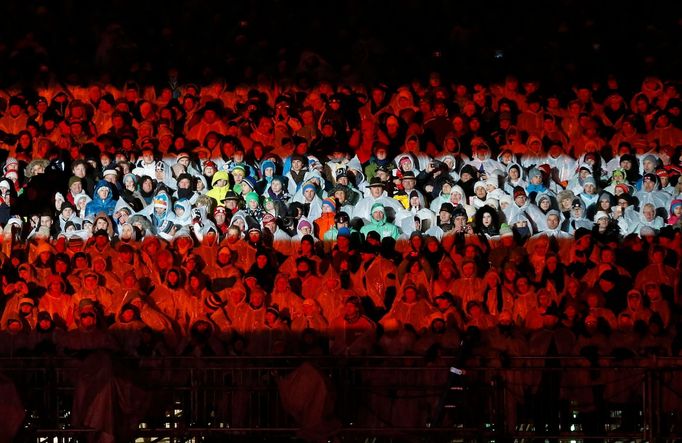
557, 42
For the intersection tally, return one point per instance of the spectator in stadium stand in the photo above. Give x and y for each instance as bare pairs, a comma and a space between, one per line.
251, 222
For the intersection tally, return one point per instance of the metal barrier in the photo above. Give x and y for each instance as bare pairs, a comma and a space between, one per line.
200, 399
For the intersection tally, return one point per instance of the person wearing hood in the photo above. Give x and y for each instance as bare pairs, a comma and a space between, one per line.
220, 184
127, 329
589, 196
481, 160
410, 309
103, 200
520, 207
379, 158
312, 203
268, 171
649, 192
186, 188
468, 287
379, 224
92, 289
182, 213
352, 332
578, 218
68, 214
675, 213
514, 178
159, 210
536, 185
168, 296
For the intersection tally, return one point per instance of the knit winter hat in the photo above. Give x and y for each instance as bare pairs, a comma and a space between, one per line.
251, 196
214, 302
329, 202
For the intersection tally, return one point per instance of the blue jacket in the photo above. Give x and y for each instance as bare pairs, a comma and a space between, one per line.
98, 205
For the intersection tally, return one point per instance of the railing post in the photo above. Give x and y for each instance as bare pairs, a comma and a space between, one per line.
648, 406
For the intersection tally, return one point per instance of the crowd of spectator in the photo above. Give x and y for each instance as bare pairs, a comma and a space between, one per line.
343, 219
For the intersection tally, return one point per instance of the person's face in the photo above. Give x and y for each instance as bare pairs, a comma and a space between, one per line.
309, 194
520, 200
522, 285
350, 310
219, 218
468, 270
262, 261
257, 298
378, 96
99, 266
147, 186
101, 224
90, 282
592, 301
172, 278
445, 217
296, 165
276, 186
553, 221
480, 192
487, 219
410, 295
376, 191
128, 315
103, 192
649, 213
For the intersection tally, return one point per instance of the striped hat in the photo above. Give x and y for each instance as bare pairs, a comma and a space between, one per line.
214, 302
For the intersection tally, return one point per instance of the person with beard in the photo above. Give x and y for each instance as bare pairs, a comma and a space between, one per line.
351, 333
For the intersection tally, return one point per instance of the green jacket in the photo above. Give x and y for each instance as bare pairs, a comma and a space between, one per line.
384, 228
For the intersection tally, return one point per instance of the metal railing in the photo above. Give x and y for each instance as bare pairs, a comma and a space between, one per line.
198, 399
